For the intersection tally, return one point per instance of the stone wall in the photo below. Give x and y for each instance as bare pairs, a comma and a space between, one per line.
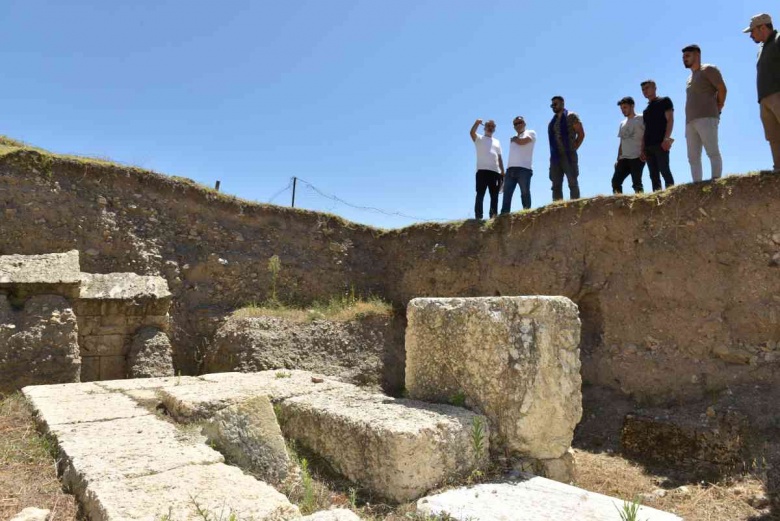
678, 291
60, 325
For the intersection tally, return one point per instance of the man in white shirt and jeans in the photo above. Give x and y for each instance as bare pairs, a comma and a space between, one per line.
490, 167
631, 133
519, 167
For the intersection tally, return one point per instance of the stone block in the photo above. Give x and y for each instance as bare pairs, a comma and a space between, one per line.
337, 514
398, 449
561, 469
710, 445
90, 368
121, 449
250, 438
123, 287
149, 383
88, 325
537, 498
514, 359
113, 367
81, 404
183, 494
113, 325
151, 354
50, 274
88, 308
221, 390
104, 345
161, 322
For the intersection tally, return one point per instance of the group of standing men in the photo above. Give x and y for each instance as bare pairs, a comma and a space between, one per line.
645, 138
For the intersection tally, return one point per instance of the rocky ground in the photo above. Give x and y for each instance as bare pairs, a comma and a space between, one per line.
28, 478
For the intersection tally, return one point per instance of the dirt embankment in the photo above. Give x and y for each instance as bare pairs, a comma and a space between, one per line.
679, 292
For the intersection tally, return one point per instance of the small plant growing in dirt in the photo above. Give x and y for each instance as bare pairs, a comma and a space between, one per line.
458, 399
478, 436
283, 374
274, 267
309, 500
630, 510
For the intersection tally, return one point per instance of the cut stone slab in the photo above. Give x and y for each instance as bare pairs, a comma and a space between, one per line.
125, 448
123, 286
249, 436
50, 274
220, 390
399, 449
337, 514
708, 444
218, 490
79, 406
532, 499
32, 514
147, 383
514, 359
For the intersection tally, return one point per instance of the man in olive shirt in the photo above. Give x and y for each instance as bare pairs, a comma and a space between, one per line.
705, 96
768, 80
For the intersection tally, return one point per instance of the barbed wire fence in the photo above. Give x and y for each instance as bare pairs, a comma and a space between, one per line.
336, 199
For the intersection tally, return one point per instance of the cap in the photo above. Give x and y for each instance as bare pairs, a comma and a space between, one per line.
627, 99
759, 19
692, 47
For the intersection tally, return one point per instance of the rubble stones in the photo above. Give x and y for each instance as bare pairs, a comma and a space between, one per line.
150, 355
514, 359
38, 343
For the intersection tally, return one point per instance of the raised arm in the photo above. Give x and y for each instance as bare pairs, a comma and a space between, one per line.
474, 128
521, 141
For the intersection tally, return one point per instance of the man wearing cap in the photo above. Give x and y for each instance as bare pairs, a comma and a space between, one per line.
631, 133
768, 80
705, 93
490, 167
659, 122
566, 134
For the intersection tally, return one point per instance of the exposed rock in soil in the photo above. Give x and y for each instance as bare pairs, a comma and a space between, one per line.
150, 354
364, 351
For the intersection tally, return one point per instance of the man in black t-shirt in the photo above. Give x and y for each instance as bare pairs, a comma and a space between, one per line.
659, 122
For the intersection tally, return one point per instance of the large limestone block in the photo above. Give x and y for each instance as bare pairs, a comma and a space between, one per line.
151, 355
532, 499
187, 493
198, 402
53, 274
39, 343
124, 286
249, 436
399, 449
81, 404
515, 359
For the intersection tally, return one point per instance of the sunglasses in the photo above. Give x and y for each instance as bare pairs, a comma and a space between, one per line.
519, 123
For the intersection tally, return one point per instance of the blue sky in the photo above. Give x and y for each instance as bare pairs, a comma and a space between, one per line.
370, 102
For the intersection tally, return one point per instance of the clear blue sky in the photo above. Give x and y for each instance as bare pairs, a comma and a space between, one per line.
369, 101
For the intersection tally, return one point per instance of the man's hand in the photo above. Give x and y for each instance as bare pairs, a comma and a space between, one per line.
666, 144
478, 122
643, 156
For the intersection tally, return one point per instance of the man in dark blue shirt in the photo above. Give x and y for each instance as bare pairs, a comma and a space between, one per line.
768, 80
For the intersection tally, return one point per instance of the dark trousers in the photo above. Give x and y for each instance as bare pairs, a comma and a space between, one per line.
487, 180
658, 165
568, 166
517, 176
625, 167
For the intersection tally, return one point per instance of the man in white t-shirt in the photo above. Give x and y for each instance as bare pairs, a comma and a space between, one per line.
631, 134
490, 167
519, 167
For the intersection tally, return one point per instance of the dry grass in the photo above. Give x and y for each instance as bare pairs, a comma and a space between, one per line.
615, 476
27, 467
337, 309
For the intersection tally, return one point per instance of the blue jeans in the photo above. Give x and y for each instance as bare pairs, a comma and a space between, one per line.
517, 175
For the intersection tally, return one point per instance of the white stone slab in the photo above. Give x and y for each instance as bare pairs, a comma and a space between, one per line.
337, 514
63, 391
534, 499
85, 407
148, 383
218, 490
125, 448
